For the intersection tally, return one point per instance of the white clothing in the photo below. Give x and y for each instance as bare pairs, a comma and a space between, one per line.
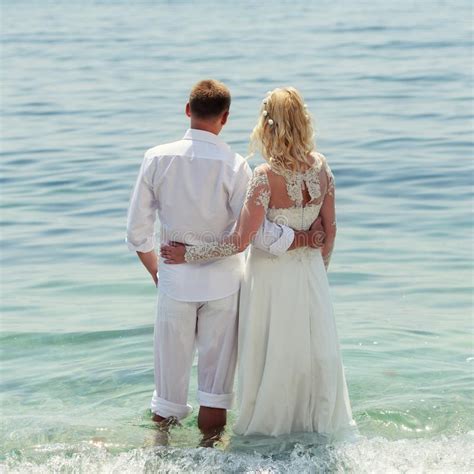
198, 187
290, 376
290, 372
180, 327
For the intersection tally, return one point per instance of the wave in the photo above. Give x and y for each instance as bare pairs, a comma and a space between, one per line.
444, 454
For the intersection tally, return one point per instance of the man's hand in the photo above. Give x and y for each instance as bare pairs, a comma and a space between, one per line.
316, 234
173, 252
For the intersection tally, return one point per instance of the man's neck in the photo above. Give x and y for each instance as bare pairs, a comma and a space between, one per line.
206, 127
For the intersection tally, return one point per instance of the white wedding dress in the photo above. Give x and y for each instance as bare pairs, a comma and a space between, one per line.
290, 372
290, 375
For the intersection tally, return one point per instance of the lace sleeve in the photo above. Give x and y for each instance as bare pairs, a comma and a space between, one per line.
331, 181
251, 217
328, 213
258, 191
200, 253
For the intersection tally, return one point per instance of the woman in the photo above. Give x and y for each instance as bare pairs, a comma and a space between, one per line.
291, 377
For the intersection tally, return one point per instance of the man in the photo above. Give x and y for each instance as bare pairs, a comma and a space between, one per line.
197, 185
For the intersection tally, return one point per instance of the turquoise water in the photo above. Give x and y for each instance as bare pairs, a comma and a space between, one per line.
88, 87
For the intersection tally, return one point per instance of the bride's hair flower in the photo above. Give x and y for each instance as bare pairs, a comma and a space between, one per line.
265, 113
270, 122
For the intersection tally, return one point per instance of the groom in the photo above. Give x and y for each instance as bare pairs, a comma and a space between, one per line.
197, 185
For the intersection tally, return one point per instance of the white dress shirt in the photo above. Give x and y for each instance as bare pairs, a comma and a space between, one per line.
198, 186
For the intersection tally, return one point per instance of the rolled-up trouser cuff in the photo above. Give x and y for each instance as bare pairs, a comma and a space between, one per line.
165, 408
213, 400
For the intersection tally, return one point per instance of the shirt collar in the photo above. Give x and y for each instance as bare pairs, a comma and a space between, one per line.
202, 136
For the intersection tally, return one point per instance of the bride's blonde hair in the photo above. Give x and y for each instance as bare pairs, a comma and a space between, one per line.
284, 131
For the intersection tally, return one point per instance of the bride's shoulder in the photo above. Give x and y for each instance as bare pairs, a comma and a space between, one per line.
319, 159
324, 171
261, 172
264, 168
271, 176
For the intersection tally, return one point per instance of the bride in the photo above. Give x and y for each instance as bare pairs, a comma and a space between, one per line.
290, 378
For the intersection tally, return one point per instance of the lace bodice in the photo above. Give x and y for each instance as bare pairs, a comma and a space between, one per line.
298, 218
301, 217
311, 179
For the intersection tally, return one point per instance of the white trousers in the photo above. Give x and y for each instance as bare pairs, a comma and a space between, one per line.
180, 328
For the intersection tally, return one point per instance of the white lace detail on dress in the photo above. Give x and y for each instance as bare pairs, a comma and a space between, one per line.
295, 181
197, 253
259, 190
331, 181
298, 218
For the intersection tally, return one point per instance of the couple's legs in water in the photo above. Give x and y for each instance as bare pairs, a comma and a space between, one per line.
210, 420
180, 328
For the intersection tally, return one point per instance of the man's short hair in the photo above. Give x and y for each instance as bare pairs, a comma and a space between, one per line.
209, 99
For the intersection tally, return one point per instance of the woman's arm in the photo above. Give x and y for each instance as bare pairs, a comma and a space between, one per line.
250, 219
328, 214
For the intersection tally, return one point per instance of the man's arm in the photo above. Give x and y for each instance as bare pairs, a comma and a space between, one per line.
150, 262
273, 238
141, 219
277, 239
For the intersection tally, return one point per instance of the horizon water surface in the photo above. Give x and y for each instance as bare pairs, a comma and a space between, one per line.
88, 87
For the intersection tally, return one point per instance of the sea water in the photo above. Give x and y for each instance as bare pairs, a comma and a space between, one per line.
88, 86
